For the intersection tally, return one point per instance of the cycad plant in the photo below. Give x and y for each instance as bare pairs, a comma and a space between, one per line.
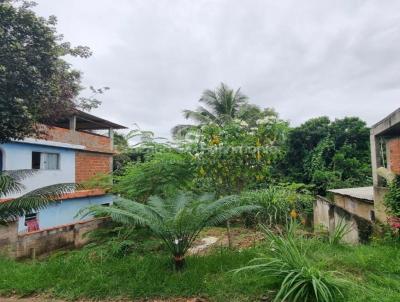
177, 221
300, 281
10, 183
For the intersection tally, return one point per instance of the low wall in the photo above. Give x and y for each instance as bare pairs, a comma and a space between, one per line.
47, 240
8, 237
329, 215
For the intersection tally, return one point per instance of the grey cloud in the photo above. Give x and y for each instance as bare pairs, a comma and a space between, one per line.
305, 58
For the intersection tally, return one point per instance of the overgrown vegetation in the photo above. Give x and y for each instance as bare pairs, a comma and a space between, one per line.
95, 273
277, 202
299, 280
392, 197
328, 154
258, 168
177, 221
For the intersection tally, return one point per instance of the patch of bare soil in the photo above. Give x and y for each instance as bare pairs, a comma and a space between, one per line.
218, 237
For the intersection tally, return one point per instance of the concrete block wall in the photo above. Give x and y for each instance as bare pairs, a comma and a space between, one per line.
32, 244
328, 215
355, 206
89, 164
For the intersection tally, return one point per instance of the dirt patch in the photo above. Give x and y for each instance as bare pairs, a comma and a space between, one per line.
217, 237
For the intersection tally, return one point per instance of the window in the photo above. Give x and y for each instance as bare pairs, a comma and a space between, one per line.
45, 161
30, 216
32, 222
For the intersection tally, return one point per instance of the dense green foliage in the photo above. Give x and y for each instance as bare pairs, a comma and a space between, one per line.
162, 173
177, 221
36, 83
392, 197
329, 154
276, 203
235, 157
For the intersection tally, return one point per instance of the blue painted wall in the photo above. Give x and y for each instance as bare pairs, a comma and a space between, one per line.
64, 212
19, 156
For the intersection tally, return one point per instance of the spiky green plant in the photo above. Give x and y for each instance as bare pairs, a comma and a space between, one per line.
341, 230
10, 183
177, 221
299, 279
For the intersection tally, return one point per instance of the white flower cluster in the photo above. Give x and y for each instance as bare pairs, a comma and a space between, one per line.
241, 122
266, 120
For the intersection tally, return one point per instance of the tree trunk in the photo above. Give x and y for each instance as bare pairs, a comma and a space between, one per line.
228, 231
179, 262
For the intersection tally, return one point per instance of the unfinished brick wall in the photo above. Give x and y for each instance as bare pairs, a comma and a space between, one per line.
92, 142
394, 155
89, 164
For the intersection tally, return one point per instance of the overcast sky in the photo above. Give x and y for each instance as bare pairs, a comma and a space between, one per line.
304, 58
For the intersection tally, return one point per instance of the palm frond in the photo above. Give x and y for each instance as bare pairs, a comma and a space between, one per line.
9, 185
177, 221
34, 200
180, 131
21, 174
199, 116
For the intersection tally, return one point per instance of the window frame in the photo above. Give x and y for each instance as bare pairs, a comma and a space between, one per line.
40, 153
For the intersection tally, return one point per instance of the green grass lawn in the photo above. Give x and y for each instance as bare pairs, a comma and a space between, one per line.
94, 273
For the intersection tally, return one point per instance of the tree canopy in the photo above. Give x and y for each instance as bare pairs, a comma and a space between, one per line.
221, 106
329, 154
36, 83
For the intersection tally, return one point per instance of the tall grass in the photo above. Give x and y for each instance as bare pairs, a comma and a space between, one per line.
299, 279
276, 203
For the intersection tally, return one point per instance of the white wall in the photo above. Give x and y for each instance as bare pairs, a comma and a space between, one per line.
19, 156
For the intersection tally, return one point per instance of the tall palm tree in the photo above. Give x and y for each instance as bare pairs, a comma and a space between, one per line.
176, 221
10, 183
220, 105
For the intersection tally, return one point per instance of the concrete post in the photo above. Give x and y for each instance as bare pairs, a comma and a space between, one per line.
375, 159
72, 123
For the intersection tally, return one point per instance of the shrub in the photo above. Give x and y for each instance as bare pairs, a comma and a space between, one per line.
299, 279
392, 197
163, 173
177, 221
278, 204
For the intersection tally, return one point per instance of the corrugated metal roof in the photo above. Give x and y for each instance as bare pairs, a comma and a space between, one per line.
366, 193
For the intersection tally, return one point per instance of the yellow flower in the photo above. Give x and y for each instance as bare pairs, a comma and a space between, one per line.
258, 156
215, 140
294, 214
